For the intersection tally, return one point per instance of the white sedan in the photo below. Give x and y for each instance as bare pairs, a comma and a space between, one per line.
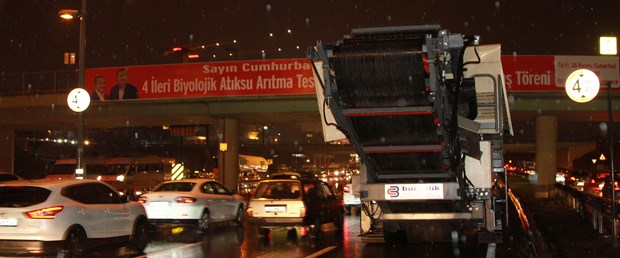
194, 201
66, 218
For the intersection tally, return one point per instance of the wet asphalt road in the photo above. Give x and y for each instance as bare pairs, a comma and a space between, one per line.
231, 241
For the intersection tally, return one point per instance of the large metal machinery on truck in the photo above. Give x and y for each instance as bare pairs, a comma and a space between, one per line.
426, 110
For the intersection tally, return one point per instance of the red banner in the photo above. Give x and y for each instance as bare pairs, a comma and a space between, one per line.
295, 76
213, 79
549, 73
529, 73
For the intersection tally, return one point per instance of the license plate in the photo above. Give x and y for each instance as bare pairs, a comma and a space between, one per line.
10, 222
280, 208
160, 204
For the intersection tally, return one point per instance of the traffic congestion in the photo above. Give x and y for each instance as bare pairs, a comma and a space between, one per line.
194, 217
293, 129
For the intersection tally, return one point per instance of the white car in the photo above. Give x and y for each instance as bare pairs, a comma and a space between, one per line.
292, 203
66, 218
194, 201
350, 198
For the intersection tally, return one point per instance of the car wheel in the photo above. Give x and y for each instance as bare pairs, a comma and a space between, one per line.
140, 236
203, 223
75, 244
339, 221
394, 235
240, 215
317, 227
263, 232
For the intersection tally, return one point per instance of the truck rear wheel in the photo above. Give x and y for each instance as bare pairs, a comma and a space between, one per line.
394, 235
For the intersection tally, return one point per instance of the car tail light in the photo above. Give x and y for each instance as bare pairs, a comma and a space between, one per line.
572, 178
592, 181
45, 213
346, 189
142, 199
302, 211
250, 212
185, 199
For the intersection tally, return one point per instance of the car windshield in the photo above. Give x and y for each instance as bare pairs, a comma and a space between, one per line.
175, 187
278, 190
22, 196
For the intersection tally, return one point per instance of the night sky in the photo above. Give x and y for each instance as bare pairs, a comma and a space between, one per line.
137, 32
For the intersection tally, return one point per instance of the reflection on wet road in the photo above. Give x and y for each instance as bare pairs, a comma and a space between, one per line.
232, 241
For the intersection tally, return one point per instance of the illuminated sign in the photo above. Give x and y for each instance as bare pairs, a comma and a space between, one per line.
608, 46
78, 100
223, 146
582, 85
413, 191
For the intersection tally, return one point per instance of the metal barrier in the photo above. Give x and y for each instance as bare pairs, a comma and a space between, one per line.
537, 242
46, 82
596, 209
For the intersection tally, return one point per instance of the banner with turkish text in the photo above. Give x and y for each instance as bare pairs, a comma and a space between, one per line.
295, 76
549, 73
213, 79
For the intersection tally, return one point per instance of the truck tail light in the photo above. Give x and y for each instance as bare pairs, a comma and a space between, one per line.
185, 199
45, 213
302, 211
250, 212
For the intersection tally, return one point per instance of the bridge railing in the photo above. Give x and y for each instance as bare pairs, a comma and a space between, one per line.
596, 209
34, 83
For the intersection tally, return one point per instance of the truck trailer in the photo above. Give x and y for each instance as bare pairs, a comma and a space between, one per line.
426, 111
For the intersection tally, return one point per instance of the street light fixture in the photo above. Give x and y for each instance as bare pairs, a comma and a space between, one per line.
70, 14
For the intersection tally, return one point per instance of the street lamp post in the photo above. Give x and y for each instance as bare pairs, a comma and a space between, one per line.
609, 46
70, 14
610, 130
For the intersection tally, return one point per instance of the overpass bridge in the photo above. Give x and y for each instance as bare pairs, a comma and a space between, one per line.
536, 115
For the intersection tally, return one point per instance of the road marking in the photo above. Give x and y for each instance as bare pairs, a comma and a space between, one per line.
169, 250
322, 252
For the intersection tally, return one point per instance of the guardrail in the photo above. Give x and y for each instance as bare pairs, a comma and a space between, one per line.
537, 240
34, 83
596, 209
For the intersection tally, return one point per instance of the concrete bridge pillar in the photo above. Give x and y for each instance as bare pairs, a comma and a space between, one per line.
228, 160
7, 149
546, 154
